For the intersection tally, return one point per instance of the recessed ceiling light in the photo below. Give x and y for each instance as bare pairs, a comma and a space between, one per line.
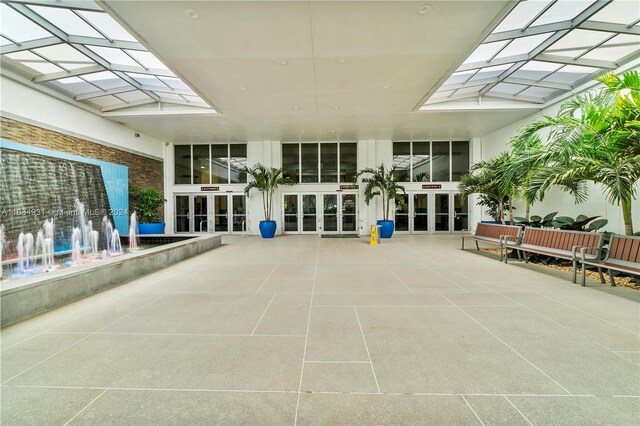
282, 61
336, 107
193, 14
333, 131
342, 60
386, 86
295, 107
243, 88
266, 121
202, 167
425, 9
301, 131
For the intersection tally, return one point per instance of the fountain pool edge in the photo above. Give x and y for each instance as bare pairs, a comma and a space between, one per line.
30, 296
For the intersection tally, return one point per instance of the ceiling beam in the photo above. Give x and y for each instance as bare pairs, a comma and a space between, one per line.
159, 89
609, 27
64, 74
127, 105
475, 83
530, 31
31, 44
103, 42
520, 98
454, 97
535, 83
64, 4
594, 63
99, 93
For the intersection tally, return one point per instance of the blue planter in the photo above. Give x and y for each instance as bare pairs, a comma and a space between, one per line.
151, 228
386, 228
267, 228
498, 222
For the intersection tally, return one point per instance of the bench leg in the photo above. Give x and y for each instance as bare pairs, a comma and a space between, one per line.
526, 259
519, 255
462, 243
602, 280
574, 274
613, 280
584, 275
477, 246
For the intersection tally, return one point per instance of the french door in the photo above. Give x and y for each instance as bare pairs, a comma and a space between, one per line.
220, 213
329, 213
431, 212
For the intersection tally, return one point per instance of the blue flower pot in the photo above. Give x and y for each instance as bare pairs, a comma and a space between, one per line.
386, 228
267, 228
151, 228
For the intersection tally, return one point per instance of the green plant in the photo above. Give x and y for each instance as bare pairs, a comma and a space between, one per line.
381, 182
493, 207
147, 202
580, 223
266, 180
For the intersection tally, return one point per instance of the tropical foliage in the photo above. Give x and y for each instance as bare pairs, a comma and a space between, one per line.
381, 182
147, 201
266, 180
580, 223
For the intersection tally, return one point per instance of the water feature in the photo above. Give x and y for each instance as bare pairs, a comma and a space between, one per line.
133, 232
3, 243
25, 248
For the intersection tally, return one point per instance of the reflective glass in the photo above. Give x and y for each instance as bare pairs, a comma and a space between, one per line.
402, 214
200, 164
522, 45
421, 161
309, 162
485, 51
459, 159
290, 207
402, 160
220, 213
19, 28
330, 212
618, 12
74, 85
238, 163
219, 163
147, 59
538, 92
615, 49
114, 56
520, 16
461, 209
291, 161
65, 55
105, 101
348, 162
66, 20
239, 203
105, 80
489, 72
569, 74
34, 62
200, 211
146, 79
440, 161
309, 213
133, 96
182, 213
107, 25
459, 77
507, 88
563, 11
182, 164
577, 42
442, 212
535, 70
329, 162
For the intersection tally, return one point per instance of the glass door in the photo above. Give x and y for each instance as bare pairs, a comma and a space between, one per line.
460, 213
330, 213
290, 213
182, 213
239, 206
348, 214
402, 214
221, 213
420, 213
309, 213
442, 215
200, 213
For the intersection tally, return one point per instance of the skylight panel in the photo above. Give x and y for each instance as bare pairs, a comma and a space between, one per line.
105, 101
34, 62
65, 55
458, 77
615, 49
133, 96
19, 28
194, 99
147, 59
538, 92
507, 88
442, 94
563, 10
523, 45
114, 56
4, 41
105, 80
521, 15
619, 12
485, 51
146, 79
66, 20
107, 25
577, 42
569, 74
468, 90
489, 72
169, 96
535, 70
74, 85
176, 83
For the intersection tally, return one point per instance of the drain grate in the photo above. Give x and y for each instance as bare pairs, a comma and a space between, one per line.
339, 236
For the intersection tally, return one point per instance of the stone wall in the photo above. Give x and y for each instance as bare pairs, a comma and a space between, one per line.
143, 171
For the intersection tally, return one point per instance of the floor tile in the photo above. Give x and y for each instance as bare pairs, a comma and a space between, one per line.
338, 377
334, 335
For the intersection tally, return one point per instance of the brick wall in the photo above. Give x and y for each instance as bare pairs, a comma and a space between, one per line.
143, 171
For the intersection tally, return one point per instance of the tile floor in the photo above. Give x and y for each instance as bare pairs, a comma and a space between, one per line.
302, 330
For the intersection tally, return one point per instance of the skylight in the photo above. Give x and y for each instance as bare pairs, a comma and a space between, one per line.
77, 49
543, 49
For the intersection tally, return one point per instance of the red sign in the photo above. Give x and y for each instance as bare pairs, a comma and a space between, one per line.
432, 186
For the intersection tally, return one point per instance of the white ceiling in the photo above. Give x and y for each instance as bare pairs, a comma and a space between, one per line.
313, 70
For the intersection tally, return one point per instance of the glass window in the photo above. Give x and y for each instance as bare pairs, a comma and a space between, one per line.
291, 161
421, 161
459, 159
219, 163
440, 160
182, 162
402, 160
309, 162
238, 163
329, 162
348, 161
200, 164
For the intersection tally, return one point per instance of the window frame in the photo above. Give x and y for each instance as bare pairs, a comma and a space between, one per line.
450, 142
228, 144
319, 145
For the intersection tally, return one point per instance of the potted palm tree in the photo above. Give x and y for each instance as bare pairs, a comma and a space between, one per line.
147, 202
382, 182
266, 180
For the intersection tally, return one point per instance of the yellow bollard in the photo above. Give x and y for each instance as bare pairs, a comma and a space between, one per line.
374, 239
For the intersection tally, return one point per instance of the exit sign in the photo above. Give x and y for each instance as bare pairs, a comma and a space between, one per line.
209, 188
432, 186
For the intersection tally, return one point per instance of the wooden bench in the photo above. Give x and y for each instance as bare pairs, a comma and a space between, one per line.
623, 255
558, 243
492, 233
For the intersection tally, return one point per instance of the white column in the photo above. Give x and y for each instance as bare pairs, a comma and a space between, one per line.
169, 207
476, 156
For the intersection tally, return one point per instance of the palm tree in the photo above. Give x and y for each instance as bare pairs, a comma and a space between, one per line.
524, 160
266, 180
594, 138
383, 183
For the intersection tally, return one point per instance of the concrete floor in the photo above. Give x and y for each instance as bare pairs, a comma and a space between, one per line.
326, 331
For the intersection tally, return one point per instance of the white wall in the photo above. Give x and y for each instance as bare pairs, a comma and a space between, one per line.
23, 103
555, 199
